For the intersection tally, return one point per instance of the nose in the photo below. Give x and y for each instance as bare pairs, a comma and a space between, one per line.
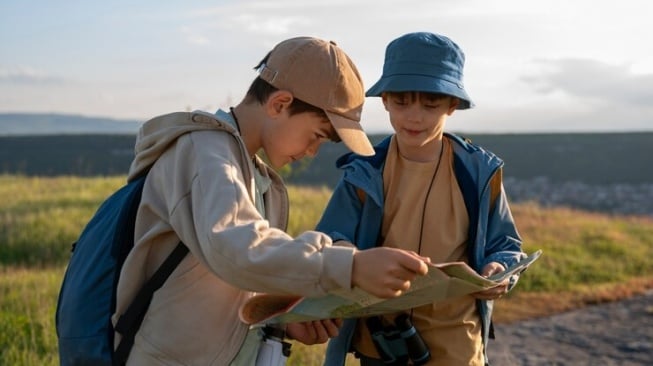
414, 113
313, 149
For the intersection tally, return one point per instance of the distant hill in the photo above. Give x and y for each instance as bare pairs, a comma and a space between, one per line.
599, 158
58, 144
21, 124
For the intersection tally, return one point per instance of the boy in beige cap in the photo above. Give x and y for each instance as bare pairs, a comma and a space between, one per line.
207, 188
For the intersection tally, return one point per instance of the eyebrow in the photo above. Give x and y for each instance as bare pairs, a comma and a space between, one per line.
330, 131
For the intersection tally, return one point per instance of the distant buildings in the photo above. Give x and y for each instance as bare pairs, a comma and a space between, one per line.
628, 199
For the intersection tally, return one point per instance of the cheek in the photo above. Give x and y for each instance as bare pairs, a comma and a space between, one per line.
394, 124
285, 143
298, 140
395, 119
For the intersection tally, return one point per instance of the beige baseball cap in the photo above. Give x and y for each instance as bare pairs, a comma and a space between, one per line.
319, 72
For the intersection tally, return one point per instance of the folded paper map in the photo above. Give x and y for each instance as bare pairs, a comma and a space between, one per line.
443, 281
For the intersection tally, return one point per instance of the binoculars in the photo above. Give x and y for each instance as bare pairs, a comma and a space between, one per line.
273, 351
399, 343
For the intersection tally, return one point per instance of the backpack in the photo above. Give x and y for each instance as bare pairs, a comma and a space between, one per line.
87, 298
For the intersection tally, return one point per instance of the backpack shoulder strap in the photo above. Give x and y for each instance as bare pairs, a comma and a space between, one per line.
130, 321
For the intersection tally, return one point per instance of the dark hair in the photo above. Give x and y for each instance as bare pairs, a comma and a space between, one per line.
260, 90
427, 95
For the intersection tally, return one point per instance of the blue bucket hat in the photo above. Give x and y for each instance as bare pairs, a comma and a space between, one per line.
423, 62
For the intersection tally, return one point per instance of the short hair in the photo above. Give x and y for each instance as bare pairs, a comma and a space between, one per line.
427, 95
260, 90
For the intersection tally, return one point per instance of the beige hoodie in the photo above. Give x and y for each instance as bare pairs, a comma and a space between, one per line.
200, 190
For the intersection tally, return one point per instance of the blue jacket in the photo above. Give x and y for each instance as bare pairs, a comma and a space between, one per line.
493, 236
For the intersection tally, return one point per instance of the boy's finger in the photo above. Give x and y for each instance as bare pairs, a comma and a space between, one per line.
416, 265
321, 331
331, 327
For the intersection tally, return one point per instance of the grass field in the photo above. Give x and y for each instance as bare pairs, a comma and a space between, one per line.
588, 258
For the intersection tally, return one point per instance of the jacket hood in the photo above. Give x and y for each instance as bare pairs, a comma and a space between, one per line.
158, 133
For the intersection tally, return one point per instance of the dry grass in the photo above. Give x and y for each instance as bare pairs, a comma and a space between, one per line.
523, 306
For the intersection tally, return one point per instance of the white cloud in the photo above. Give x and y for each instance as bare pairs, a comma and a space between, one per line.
269, 26
595, 81
23, 74
193, 37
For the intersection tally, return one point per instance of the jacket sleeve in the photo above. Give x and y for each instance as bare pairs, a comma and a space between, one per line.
341, 217
222, 227
503, 243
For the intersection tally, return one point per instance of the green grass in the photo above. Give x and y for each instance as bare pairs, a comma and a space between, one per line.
27, 303
582, 249
41, 217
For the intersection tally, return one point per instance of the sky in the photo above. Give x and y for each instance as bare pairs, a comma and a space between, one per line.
531, 66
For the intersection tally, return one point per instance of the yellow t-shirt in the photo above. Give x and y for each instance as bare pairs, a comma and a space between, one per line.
451, 329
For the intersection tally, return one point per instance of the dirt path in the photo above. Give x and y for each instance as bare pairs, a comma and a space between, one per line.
619, 333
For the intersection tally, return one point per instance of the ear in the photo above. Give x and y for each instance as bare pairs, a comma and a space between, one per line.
278, 102
384, 99
453, 105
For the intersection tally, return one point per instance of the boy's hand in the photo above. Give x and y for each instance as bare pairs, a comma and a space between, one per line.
494, 292
315, 332
387, 272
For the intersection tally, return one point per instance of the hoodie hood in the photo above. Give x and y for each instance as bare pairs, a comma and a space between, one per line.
157, 134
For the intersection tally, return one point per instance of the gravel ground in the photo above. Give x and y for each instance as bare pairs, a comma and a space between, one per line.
619, 333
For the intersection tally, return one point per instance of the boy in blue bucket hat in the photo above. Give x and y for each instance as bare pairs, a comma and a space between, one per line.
430, 192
